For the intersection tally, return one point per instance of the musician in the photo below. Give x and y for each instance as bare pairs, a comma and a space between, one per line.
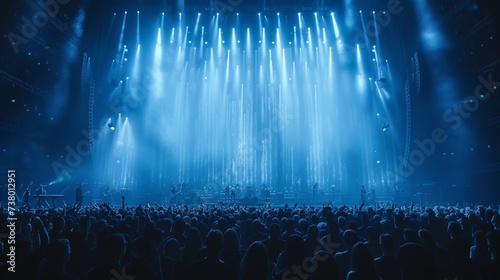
372, 195
332, 190
106, 194
315, 191
363, 194
79, 197
173, 195
265, 191
40, 191
228, 190
237, 189
26, 196
233, 195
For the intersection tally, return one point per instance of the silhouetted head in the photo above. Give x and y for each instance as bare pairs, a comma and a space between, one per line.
350, 238
454, 229
295, 249
214, 241
387, 244
254, 264
58, 251
361, 258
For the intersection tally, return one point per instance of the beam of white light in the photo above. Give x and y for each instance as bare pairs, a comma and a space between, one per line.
377, 63
158, 50
318, 30
295, 36
138, 25
136, 66
335, 26
360, 77
271, 71
233, 41
184, 41
122, 32
249, 47
228, 65
172, 35
197, 24
389, 74
162, 20
377, 38
219, 43
202, 40
309, 40
264, 43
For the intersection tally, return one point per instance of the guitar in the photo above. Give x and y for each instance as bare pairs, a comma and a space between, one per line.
107, 191
174, 192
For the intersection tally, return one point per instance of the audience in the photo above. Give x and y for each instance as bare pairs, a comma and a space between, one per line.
386, 242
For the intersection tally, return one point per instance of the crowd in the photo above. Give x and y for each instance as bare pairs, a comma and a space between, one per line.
100, 241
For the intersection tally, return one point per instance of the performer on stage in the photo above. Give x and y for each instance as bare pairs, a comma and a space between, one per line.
173, 195
265, 193
372, 195
315, 191
106, 194
26, 196
237, 190
363, 194
79, 197
228, 191
233, 195
41, 191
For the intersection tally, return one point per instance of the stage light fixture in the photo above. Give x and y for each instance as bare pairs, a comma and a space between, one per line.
111, 126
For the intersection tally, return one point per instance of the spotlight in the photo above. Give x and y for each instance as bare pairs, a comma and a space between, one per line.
137, 11
278, 14
111, 126
125, 12
385, 126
